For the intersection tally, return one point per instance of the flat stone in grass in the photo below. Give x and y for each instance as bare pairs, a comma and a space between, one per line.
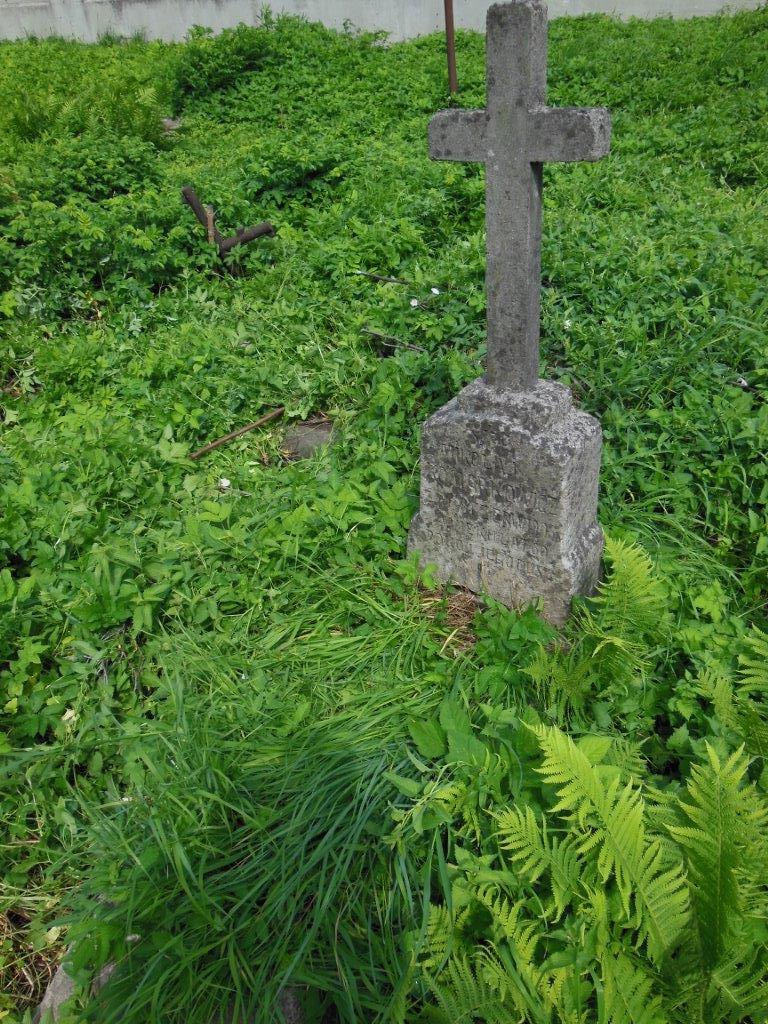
509, 469
62, 988
304, 439
289, 1007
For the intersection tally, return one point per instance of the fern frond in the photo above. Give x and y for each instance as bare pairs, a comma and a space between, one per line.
522, 937
709, 842
737, 711
716, 687
661, 899
563, 991
525, 990
535, 854
511, 965
739, 988
562, 682
614, 659
752, 726
610, 639
632, 601
438, 943
627, 756
753, 666
612, 817
626, 996
597, 910
465, 998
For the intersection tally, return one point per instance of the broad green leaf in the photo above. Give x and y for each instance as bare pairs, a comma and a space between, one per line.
429, 737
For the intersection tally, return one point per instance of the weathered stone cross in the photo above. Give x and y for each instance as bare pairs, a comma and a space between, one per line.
513, 136
509, 468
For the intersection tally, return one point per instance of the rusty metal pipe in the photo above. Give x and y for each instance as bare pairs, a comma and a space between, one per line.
450, 43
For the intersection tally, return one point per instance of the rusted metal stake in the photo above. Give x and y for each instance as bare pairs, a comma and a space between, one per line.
274, 415
450, 43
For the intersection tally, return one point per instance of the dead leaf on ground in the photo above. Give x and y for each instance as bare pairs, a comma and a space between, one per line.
455, 610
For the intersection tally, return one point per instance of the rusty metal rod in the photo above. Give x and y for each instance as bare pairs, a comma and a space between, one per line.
450, 43
275, 414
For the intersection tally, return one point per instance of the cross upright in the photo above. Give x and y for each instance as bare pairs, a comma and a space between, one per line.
513, 136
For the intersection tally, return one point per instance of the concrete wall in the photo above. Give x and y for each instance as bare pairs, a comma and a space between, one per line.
170, 19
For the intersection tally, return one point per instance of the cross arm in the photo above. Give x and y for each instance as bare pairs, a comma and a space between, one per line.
564, 134
459, 135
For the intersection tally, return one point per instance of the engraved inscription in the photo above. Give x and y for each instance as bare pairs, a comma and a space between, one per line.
516, 521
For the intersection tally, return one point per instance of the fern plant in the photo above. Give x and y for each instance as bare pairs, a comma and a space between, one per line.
606, 647
609, 819
604, 909
537, 853
739, 699
722, 827
625, 993
584, 889
464, 996
753, 665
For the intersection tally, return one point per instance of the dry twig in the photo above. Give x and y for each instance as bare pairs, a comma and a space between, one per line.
267, 418
382, 278
389, 341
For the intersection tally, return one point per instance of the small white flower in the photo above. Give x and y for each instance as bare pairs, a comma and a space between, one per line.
742, 382
414, 303
435, 291
224, 484
567, 325
68, 715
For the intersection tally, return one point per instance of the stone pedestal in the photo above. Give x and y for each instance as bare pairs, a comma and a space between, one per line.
509, 483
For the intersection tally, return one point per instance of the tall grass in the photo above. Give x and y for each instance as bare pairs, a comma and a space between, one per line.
249, 859
247, 854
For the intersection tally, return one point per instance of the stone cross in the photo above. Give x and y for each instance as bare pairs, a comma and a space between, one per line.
509, 469
513, 137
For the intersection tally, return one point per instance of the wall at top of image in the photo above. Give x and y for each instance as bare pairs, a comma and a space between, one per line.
87, 20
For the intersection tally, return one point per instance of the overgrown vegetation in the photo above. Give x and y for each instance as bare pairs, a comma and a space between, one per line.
234, 724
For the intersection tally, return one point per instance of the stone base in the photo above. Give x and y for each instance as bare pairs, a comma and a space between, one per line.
509, 483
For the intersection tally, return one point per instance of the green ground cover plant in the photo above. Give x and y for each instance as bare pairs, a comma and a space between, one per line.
236, 721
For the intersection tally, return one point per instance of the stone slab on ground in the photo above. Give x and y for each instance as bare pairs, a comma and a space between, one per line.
304, 439
60, 989
289, 1005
